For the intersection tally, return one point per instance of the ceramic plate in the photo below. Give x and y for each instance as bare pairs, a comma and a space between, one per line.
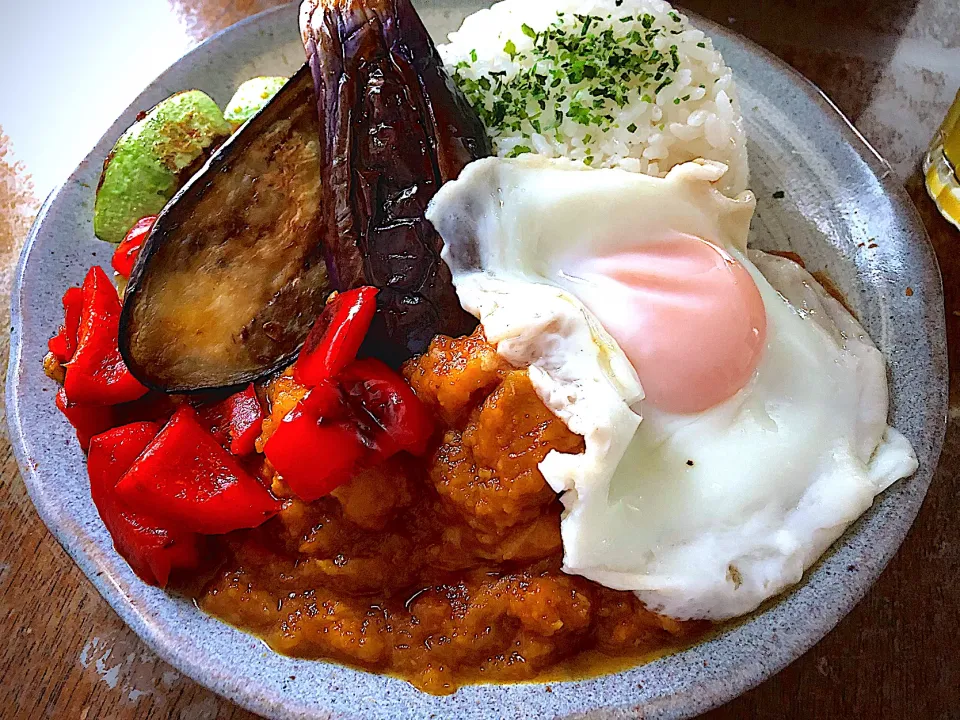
842, 211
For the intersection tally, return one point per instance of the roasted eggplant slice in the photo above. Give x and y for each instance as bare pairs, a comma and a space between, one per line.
233, 275
393, 129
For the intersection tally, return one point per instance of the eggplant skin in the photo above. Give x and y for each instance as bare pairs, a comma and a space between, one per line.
393, 128
232, 275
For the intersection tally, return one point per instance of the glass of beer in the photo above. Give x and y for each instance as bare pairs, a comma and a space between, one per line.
942, 163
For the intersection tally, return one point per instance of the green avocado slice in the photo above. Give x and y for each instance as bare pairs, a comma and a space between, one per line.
150, 160
250, 98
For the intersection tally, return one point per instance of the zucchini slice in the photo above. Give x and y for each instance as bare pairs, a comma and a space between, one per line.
152, 159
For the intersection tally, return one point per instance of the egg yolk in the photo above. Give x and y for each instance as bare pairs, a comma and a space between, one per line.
686, 314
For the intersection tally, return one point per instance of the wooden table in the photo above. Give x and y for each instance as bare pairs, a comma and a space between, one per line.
892, 66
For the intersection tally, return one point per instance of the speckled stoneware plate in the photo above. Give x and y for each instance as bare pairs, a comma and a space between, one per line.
842, 211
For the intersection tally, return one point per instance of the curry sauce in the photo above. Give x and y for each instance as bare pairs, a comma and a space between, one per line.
443, 570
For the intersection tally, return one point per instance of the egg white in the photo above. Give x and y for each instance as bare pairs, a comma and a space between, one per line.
703, 515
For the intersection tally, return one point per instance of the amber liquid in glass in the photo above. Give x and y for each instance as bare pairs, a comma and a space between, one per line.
941, 165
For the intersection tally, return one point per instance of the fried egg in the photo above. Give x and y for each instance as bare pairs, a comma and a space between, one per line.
734, 414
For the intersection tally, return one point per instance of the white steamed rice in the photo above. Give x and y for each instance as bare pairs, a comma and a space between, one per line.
696, 114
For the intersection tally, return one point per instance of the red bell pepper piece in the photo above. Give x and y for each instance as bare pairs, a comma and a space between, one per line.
369, 416
312, 456
152, 550
235, 422
64, 343
127, 251
324, 401
386, 408
97, 374
87, 420
187, 480
336, 336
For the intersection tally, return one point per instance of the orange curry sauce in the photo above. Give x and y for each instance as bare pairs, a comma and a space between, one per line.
445, 570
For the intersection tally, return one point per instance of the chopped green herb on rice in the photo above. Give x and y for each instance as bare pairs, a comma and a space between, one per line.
625, 83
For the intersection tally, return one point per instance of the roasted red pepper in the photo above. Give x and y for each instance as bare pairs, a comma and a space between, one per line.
152, 550
357, 413
235, 422
325, 401
366, 415
336, 336
126, 253
97, 374
187, 480
64, 344
386, 408
312, 452
87, 420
